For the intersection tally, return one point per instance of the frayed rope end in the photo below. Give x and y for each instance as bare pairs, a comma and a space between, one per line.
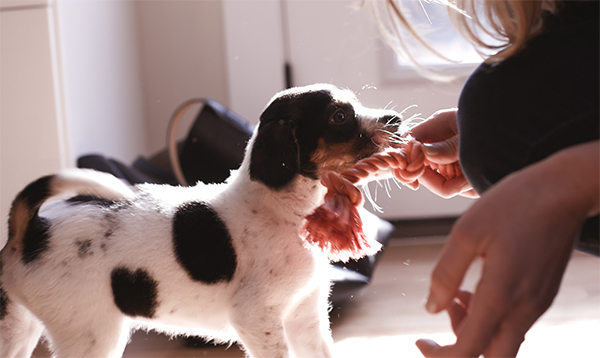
335, 228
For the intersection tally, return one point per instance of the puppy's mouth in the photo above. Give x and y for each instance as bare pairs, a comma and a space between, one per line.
338, 157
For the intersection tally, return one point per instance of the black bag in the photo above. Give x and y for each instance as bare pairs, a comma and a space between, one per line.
215, 144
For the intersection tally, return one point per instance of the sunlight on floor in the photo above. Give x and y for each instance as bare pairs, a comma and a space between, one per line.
577, 339
402, 346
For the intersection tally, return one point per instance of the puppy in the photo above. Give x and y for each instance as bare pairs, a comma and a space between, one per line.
221, 261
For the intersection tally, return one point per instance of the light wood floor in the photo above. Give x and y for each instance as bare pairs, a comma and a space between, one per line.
386, 317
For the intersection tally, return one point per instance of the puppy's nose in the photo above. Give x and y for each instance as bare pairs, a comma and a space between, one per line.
391, 119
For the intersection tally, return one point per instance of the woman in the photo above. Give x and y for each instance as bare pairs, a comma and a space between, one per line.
526, 136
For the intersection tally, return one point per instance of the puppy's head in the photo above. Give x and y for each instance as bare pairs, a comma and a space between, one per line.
309, 130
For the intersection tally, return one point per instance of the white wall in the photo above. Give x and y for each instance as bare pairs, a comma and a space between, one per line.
128, 64
99, 48
182, 57
254, 54
32, 140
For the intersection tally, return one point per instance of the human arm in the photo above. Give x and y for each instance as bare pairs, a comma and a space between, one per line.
524, 229
439, 134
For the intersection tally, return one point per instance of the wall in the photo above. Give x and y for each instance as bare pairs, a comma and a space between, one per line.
32, 140
99, 48
128, 64
182, 57
254, 54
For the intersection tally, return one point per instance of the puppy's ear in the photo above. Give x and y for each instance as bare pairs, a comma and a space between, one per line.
274, 160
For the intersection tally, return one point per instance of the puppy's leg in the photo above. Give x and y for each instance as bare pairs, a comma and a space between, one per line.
260, 327
307, 326
19, 331
103, 335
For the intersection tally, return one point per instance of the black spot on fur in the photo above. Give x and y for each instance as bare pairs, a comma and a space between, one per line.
110, 224
202, 244
36, 239
32, 196
3, 296
274, 159
135, 293
36, 192
84, 248
288, 133
3, 304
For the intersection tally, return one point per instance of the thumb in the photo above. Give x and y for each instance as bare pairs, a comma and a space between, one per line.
444, 152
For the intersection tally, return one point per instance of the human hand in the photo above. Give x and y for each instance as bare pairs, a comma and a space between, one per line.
439, 135
523, 229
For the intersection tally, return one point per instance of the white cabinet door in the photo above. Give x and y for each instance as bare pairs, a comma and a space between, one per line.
30, 139
21, 4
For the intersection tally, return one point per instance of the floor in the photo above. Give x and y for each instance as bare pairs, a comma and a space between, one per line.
386, 317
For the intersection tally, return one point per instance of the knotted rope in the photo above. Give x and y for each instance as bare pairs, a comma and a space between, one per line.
336, 227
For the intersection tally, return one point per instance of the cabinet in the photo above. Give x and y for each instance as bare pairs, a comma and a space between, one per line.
31, 126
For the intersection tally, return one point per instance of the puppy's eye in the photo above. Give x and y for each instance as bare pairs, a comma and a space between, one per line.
338, 117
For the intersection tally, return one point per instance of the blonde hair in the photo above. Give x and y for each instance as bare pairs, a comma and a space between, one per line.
511, 23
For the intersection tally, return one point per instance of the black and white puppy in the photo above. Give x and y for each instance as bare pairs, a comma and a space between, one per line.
220, 261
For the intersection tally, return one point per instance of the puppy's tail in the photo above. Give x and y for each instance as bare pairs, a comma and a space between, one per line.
70, 182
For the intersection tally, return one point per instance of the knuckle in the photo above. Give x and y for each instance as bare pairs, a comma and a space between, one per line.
533, 305
444, 281
463, 231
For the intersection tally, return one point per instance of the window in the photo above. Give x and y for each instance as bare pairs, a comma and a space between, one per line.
430, 19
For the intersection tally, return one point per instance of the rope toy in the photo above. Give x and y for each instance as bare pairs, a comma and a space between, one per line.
336, 227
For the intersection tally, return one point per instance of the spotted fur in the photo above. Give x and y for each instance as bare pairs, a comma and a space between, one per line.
89, 257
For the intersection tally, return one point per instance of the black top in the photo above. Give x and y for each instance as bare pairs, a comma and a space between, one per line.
535, 103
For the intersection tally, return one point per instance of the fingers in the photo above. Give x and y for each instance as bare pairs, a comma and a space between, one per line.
469, 194
430, 349
478, 330
492, 326
488, 322
443, 152
459, 309
478, 320
439, 127
446, 188
449, 171
505, 343
448, 274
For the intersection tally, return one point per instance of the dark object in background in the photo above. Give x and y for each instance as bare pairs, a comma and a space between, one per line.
214, 145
